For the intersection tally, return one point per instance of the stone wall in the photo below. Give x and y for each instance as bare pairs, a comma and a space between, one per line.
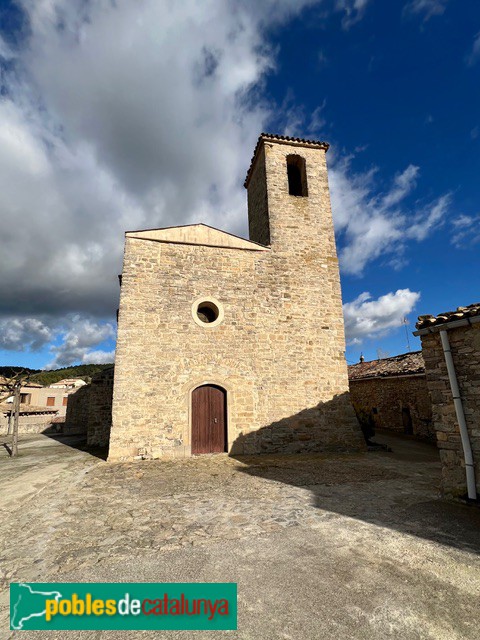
279, 351
465, 347
76, 418
394, 403
31, 423
89, 409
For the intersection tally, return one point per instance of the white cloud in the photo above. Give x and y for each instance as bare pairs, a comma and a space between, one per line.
17, 334
367, 318
430, 219
317, 120
466, 231
474, 54
98, 357
73, 338
427, 8
354, 11
5, 51
370, 224
402, 185
78, 342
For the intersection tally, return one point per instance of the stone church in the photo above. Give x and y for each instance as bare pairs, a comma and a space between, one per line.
233, 345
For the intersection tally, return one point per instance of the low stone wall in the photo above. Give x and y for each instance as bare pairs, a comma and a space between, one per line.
465, 347
397, 403
31, 423
89, 410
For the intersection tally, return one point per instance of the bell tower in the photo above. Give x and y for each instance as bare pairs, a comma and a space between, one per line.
288, 196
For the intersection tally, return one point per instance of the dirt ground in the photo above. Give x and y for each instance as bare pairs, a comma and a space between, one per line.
322, 547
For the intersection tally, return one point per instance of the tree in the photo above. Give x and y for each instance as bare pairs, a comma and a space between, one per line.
7, 387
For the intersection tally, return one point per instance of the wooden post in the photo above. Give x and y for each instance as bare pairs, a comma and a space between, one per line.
16, 408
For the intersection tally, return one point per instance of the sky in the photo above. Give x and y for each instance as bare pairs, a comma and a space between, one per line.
130, 114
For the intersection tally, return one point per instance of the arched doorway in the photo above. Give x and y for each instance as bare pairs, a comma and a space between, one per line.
209, 419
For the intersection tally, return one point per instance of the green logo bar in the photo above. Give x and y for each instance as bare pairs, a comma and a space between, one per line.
117, 605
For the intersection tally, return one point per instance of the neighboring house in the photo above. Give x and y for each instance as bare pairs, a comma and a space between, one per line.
40, 408
36, 395
68, 383
53, 398
227, 344
392, 394
451, 351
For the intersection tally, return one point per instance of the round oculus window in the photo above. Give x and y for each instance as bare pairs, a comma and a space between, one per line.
207, 312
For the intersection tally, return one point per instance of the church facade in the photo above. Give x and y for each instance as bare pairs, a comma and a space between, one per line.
235, 345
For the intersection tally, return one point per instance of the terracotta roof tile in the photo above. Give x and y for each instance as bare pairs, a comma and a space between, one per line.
403, 365
274, 136
448, 316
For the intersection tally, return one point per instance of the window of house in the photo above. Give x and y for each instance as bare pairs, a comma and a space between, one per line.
297, 176
65, 400
25, 398
50, 401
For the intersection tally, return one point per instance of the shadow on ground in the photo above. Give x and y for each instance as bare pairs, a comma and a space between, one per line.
399, 490
79, 442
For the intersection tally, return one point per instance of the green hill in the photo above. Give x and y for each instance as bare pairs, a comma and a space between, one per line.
84, 371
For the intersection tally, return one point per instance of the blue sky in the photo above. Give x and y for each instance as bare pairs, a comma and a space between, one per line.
99, 134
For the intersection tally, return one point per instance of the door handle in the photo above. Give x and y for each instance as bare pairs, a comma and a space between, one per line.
215, 420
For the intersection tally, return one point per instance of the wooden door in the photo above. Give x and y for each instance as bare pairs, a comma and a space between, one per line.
209, 420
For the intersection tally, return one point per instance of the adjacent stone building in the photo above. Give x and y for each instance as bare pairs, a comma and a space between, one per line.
461, 341
392, 394
227, 344
89, 409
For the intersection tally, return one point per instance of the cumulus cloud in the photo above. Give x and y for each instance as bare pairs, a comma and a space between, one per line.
367, 318
98, 357
370, 224
17, 334
71, 340
78, 341
426, 8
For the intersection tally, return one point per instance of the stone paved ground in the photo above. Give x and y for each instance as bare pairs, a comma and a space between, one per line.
321, 547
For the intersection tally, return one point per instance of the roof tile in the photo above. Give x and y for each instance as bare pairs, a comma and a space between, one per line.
401, 365
448, 316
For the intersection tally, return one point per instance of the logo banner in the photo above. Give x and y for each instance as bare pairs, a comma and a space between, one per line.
120, 605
